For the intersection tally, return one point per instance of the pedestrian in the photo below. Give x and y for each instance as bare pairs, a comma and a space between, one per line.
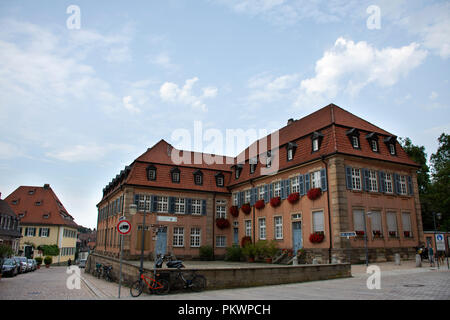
431, 256
69, 262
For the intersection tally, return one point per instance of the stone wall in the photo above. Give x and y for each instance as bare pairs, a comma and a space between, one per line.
221, 278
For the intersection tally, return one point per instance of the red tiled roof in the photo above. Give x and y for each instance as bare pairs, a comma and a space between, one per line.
27, 196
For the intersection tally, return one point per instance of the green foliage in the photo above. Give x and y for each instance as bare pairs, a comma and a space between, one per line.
5, 251
266, 249
49, 250
48, 260
206, 253
38, 260
250, 250
233, 253
418, 155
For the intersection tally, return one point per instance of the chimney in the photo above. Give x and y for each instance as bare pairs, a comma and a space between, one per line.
290, 121
46, 186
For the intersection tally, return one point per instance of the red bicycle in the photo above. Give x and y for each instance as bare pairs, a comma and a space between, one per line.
158, 285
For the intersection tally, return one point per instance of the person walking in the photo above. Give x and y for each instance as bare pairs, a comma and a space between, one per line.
431, 256
69, 262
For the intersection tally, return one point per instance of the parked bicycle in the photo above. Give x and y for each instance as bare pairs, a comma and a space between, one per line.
196, 282
107, 273
98, 270
157, 286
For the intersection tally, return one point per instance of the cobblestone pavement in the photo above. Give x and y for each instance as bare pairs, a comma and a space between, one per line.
397, 282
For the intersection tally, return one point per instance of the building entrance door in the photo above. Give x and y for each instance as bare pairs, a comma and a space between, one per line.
161, 241
297, 235
236, 236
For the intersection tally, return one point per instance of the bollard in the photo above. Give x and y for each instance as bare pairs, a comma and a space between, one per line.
295, 261
397, 259
418, 261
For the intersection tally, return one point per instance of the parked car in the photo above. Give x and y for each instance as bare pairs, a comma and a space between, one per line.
22, 261
10, 267
31, 264
82, 263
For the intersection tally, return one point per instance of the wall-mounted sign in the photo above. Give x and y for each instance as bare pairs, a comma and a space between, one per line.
166, 219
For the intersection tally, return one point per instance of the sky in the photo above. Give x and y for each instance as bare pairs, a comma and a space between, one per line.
87, 86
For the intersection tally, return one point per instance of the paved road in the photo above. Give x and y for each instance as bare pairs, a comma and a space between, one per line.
396, 283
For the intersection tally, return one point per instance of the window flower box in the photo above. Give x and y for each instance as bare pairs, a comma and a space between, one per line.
293, 197
246, 240
317, 237
407, 234
260, 204
314, 193
222, 223
234, 211
377, 233
246, 208
393, 234
359, 233
275, 202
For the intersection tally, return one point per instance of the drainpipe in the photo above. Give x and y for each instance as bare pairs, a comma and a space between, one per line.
214, 225
322, 158
254, 221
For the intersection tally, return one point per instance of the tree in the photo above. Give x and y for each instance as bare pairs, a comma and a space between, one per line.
49, 250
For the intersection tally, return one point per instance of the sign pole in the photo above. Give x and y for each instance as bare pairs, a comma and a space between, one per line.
123, 227
120, 269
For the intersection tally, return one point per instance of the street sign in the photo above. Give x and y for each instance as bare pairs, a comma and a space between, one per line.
166, 219
348, 234
124, 227
440, 242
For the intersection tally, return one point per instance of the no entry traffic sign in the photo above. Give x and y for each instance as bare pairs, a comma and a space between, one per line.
124, 227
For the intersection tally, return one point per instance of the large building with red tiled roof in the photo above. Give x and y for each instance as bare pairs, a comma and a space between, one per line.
44, 221
302, 186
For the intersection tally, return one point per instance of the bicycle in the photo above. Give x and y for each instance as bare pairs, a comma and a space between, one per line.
107, 274
98, 270
158, 286
196, 283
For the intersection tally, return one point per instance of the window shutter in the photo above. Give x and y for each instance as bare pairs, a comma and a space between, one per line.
136, 200
48, 232
381, 178
283, 190
171, 204
154, 201
253, 196
365, 176
396, 183
271, 191
204, 207
188, 202
266, 193
410, 185
40, 232
301, 184
323, 179
287, 185
307, 184
26, 232
348, 177
241, 198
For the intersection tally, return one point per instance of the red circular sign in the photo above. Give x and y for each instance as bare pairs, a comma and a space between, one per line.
124, 227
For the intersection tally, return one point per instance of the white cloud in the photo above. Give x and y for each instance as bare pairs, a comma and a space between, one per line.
348, 67
171, 92
433, 95
9, 151
87, 153
129, 106
163, 60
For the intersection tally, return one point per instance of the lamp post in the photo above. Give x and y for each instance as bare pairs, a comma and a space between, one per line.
141, 268
365, 237
438, 215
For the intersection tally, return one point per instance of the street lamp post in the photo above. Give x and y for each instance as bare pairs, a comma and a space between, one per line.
141, 268
434, 221
365, 238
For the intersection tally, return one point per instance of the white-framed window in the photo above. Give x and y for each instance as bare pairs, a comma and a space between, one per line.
221, 209
315, 144
44, 232
315, 179
290, 154
295, 186
220, 181
318, 221
356, 179
248, 194
221, 241
278, 227
373, 181
355, 142
392, 149
268, 162
196, 207
262, 228
406, 223
198, 179
403, 189
374, 145
235, 198
261, 193
30, 232
178, 236
175, 177
162, 204
277, 189
392, 223
358, 220
180, 205
144, 202
388, 183
195, 237
248, 228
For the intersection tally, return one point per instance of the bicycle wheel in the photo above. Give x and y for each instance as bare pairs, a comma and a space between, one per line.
163, 287
137, 288
198, 283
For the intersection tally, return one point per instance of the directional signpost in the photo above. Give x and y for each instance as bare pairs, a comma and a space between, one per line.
347, 235
123, 227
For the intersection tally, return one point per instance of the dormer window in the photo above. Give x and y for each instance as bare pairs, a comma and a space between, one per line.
372, 138
15, 201
46, 216
30, 192
291, 147
151, 173
392, 148
316, 138
198, 177
374, 145
220, 181
390, 143
175, 173
238, 170
269, 159
353, 135
38, 203
253, 162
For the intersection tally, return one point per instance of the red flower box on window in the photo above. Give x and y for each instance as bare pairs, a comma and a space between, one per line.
377, 233
314, 193
359, 233
317, 237
234, 211
293, 197
392, 233
275, 202
260, 204
407, 234
246, 240
222, 223
246, 208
